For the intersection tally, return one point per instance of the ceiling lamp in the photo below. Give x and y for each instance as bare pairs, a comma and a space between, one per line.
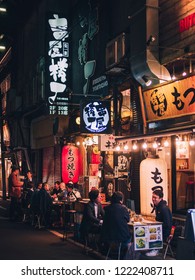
126, 147
184, 70
144, 146
118, 148
173, 77
155, 144
166, 143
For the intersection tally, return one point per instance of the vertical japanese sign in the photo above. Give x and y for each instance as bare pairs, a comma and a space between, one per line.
57, 64
153, 175
70, 164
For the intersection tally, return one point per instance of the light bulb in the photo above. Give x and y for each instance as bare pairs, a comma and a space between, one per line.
144, 146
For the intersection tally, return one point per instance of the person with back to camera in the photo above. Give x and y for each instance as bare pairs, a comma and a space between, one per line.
46, 204
93, 215
163, 214
115, 225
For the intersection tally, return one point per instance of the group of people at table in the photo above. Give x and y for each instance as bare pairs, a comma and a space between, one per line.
29, 199
109, 223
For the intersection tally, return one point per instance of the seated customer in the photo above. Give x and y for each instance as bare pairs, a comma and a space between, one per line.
56, 190
115, 225
73, 194
63, 194
93, 215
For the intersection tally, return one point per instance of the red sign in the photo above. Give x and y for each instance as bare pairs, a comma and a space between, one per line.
70, 164
187, 22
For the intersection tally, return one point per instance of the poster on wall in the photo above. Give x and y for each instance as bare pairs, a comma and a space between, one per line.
123, 162
153, 175
182, 149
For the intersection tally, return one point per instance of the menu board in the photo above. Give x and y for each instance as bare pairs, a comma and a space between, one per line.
147, 237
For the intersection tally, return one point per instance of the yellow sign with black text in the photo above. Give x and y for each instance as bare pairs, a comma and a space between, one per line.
170, 101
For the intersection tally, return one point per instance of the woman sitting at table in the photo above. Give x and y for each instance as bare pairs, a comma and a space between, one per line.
93, 215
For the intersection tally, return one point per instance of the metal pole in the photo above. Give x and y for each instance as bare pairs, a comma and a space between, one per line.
2, 150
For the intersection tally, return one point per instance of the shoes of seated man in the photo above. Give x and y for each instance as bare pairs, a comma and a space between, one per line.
152, 253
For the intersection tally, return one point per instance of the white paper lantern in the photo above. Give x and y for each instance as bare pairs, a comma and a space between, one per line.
153, 173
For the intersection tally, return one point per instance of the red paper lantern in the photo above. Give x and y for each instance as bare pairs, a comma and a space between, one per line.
70, 164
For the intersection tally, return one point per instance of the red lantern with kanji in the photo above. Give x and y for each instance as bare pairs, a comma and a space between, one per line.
70, 163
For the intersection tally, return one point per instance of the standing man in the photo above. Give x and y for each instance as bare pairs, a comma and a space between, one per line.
163, 215
15, 194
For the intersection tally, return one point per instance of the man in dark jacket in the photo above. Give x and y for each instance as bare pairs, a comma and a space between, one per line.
115, 225
93, 215
163, 215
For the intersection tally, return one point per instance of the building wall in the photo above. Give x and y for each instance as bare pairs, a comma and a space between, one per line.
171, 12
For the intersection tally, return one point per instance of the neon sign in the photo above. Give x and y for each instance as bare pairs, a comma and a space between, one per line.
58, 54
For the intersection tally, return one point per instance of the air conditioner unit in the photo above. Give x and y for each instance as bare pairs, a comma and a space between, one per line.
115, 50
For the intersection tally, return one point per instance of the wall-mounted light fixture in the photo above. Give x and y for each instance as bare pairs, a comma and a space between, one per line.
3, 10
147, 81
150, 40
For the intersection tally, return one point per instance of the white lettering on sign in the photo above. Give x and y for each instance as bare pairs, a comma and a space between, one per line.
58, 53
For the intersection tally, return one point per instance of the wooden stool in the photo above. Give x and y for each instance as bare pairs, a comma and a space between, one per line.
189, 199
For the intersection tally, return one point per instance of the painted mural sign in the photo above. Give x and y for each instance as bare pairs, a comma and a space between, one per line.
153, 175
57, 65
170, 101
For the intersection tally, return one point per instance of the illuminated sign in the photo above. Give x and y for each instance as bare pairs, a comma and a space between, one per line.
187, 22
169, 101
153, 175
57, 65
70, 164
95, 117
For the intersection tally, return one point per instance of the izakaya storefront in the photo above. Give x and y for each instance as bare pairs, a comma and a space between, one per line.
170, 118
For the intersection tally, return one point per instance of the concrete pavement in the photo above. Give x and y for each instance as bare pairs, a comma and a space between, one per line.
21, 241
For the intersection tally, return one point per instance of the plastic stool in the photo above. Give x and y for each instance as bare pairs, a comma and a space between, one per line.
189, 199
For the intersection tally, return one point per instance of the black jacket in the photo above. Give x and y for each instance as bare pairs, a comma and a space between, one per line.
115, 226
163, 214
89, 221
